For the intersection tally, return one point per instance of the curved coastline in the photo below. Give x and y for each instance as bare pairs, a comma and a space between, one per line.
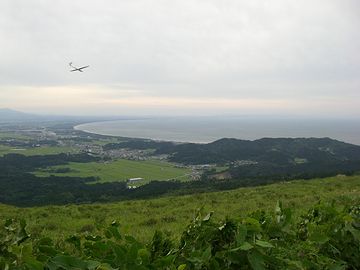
115, 134
79, 127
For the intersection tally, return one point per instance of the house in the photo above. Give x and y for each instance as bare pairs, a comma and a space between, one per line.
133, 180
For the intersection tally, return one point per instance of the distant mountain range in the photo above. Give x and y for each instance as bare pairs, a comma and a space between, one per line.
13, 116
9, 115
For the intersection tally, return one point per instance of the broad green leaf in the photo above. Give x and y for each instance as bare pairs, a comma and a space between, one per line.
319, 238
241, 235
75, 240
46, 241
33, 264
130, 239
132, 253
144, 255
246, 246
338, 266
50, 251
214, 265
252, 225
181, 267
113, 232
21, 235
105, 267
355, 232
263, 244
166, 261
119, 253
206, 255
69, 262
256, 260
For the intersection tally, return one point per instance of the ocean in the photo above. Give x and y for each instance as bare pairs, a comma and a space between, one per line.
208, 129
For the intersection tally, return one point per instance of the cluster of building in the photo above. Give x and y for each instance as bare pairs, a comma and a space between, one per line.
243, 162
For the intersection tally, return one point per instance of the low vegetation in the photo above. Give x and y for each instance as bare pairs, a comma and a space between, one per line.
323, 238
142, 217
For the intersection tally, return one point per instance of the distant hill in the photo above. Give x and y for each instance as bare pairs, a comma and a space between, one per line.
267, 158
13, 116
274, 150
273, 158
9, 115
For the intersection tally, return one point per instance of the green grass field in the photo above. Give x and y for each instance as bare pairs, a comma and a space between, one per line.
171, 214
122, 170
104, 141
13, 135
44, 150
4, 150
221, 168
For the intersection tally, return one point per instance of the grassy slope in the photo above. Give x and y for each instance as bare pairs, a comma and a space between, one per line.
141, 218
121, 170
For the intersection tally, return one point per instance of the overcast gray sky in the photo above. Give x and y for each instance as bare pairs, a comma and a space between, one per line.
284, 57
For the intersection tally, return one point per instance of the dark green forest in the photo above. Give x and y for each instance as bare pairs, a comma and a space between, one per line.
281, 151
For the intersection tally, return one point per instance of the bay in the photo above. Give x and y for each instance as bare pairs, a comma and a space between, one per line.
208, 129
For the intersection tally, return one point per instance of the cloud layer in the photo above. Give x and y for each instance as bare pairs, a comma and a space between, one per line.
281, 56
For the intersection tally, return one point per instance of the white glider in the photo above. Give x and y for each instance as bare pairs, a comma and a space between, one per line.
77, 69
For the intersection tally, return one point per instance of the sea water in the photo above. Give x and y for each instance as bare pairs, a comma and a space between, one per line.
208, 129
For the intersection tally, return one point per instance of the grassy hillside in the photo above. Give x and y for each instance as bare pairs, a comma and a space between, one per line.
171, 214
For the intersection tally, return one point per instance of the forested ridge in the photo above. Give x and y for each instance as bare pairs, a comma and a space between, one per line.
274, 150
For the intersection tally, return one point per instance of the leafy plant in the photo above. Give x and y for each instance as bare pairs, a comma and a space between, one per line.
323, 238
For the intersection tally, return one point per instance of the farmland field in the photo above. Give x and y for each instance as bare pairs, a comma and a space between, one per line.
120, 170
43, 150
4, 149
13, 135
171, 214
